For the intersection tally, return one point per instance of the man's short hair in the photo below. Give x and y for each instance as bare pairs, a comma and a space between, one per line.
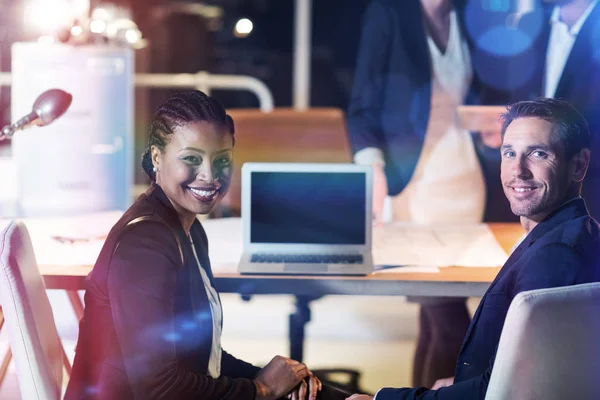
571, 126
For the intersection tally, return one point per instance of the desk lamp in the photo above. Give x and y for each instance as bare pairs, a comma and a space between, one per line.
49, 106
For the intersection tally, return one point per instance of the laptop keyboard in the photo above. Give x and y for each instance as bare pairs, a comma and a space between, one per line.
307, 258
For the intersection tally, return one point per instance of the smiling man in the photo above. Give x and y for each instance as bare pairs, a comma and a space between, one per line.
545, 156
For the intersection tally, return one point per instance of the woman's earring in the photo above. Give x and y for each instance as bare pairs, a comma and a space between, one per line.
154, 169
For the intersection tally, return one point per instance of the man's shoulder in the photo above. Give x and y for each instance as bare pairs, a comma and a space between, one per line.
573, 241
566, 255
578, 232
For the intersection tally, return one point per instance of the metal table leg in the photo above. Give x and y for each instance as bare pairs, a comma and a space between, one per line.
297, 323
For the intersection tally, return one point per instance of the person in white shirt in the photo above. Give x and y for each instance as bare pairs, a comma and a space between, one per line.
562, 62
572, 73
566, 21
413, 70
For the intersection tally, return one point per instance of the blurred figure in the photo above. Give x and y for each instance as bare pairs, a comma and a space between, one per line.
563, 61
413, 70
572, 73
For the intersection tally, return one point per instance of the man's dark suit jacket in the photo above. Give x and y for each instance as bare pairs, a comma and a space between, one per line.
147, 328
391, 97
579, 83
562, 250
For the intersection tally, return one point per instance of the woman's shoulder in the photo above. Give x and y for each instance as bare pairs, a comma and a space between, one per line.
146, 247
141, 242
151, 211
147, 226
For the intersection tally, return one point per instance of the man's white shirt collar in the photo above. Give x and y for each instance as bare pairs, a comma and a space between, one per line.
574, 31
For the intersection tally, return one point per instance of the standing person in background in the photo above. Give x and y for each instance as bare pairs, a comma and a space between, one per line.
562, 62
413, 70
572, 73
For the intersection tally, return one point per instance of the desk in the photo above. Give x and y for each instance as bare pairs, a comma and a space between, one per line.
450, 281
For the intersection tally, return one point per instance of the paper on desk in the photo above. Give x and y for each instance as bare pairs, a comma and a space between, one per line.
92, 226
408, 269
224, 240
467, 245
75, 240
50, 252
225, 243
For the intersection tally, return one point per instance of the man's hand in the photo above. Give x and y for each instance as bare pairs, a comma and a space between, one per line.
444, 382
279, 377
360, 397
306, 390
380, 191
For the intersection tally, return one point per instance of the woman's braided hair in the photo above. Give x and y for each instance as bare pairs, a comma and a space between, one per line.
179, 110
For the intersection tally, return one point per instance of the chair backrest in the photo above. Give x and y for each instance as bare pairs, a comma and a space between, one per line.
550, 346
286, 135
34, 341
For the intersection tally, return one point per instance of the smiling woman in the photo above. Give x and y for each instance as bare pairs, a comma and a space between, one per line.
189, 153
152, 321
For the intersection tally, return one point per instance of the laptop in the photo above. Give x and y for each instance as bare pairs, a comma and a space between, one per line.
306, 219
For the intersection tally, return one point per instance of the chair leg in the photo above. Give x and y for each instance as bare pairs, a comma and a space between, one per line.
66, 362
7, 356
78, 308
76, 303
4, 366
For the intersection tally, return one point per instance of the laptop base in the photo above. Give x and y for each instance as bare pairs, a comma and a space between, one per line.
305, 269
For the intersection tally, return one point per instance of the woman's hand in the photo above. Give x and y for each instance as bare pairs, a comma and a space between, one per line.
279, 377
306, 390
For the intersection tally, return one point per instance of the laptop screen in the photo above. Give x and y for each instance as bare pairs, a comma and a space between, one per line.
308, 207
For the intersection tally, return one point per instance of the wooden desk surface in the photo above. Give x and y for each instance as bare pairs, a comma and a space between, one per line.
450, 281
